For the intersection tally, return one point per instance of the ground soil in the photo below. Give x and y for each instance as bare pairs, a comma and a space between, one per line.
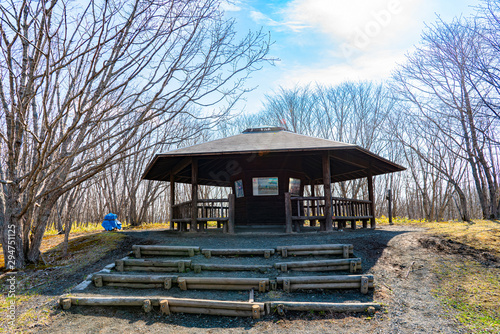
401, 258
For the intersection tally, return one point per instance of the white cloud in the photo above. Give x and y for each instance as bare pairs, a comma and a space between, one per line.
360, 23
231, 6
261, 18
373, 66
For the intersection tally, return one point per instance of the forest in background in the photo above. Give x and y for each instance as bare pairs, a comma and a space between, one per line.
89, 98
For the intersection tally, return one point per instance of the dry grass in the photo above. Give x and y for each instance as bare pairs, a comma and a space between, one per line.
471, 292
33, 308
479, 234
482, 235
470, 289
52, 238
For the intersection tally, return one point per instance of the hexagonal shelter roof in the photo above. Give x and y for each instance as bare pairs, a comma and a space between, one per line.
295, 151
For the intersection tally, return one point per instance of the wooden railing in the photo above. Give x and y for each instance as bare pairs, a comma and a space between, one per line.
343, 210
207, 210
308, 208
213, 209
182, 212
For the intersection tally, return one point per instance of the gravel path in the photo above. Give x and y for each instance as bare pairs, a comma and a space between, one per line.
395, 256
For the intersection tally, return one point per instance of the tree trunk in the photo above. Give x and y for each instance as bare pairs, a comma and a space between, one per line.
39, 229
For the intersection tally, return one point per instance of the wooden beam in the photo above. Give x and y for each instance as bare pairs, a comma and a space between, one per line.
172, 199
327, 183
194, 195
372, 199
180, 166
354, 161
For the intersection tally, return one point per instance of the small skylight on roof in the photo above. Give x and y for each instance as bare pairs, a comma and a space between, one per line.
264, 129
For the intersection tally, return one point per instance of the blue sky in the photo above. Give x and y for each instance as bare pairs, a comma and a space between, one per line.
331, 41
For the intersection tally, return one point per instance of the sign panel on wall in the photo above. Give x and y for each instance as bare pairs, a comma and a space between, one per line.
265, 186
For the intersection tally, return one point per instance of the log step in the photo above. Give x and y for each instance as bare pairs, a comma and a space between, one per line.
172, 305
346, 250
134, 281
239, 251
229, 267
362, 282
352, 265
223, 283
152, 265
281, 306
158, 250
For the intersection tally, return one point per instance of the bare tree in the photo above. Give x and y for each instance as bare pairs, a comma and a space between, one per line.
80, 81
436, 83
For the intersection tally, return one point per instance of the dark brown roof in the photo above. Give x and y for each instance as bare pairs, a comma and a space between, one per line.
253, 141
274, 142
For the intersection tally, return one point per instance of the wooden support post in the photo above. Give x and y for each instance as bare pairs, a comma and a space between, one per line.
286, 285
372, 200
197, 268
312, 222
164, 308
98, 281
147, 306
262, 286
182, 283
66, 303
389, 205
137, 251
194, 195
181, 266
284, 267
273, 285
284, 252
167, 285
119, 265
191, 252
327, 183
345, 251
364, 285
172, 200
267, 254
256, 311
281, 309
230, 214
208, 254
288, 212
353, 266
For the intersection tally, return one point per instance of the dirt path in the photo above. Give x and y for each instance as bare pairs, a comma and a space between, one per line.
396, 256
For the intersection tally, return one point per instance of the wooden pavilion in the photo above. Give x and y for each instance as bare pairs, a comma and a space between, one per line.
267, 169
